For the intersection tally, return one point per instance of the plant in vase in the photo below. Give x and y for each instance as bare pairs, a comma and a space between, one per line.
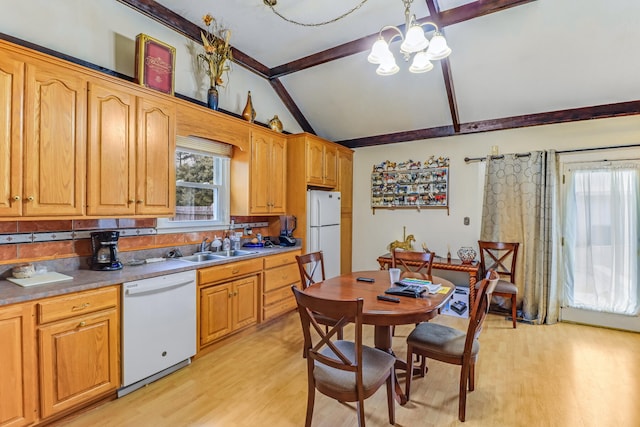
217, 51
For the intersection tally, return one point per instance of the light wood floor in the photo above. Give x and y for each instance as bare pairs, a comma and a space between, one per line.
562, 375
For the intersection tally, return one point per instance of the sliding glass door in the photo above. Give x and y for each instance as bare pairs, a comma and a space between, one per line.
601, 243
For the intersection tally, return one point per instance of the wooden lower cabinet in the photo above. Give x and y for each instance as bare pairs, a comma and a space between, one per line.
280, 272
227, 307
18, 389
78, 343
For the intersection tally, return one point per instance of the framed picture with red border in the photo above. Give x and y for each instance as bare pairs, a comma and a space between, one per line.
155, 64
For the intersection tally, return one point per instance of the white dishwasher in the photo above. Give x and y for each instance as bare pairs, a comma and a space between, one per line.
158, 328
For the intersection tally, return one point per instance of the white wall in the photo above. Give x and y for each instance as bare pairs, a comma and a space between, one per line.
373, 232
103, 32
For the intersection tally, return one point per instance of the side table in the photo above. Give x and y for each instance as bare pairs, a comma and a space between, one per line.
440, 263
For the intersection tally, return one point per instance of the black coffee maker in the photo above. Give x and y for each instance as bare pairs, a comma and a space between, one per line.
104, 248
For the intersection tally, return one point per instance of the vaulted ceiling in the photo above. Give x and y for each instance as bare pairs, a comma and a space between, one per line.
514, 62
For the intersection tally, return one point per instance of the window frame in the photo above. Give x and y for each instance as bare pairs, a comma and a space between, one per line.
167, 225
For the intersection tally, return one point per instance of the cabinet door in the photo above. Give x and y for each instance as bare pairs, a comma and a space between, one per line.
345, 180
17, 358
261, 168
55, 141
215, 313
245, 302
79, 360
278, 176
330, 166
11, 95
155, 164
315, 160
111, 151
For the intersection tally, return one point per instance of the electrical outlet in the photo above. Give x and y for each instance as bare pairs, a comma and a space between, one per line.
466, 220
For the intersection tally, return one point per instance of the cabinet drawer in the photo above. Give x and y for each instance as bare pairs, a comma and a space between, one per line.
277, 309
280, 259
278, 295
227, 271
281, 276
74, 305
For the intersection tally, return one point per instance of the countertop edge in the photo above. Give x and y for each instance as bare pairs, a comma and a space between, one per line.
85, 279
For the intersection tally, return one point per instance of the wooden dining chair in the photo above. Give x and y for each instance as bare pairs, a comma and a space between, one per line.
502, 257
414, 264
450, 345
347, 371
309, 265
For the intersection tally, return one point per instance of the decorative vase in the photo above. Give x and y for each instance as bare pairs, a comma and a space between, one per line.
275, 124
212, 98
249, 114
466, 254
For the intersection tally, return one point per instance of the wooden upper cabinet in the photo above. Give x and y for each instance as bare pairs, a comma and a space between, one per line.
111, 150
258, 175
321, 162
268, 172
155, 164
55, 140
11, 98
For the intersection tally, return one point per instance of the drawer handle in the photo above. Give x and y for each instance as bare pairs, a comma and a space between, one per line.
81, 324
80, 307
235, 271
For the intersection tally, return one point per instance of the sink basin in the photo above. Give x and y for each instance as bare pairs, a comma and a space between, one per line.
201, 257
211, 256
233, 253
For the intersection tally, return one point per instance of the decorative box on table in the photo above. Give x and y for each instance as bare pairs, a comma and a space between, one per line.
458, 305
155, 64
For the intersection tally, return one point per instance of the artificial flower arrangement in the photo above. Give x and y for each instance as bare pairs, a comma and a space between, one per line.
217, 50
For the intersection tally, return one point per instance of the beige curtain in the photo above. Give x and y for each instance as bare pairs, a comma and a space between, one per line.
520, 206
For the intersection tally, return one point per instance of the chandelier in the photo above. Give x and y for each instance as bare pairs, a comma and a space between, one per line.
413, 41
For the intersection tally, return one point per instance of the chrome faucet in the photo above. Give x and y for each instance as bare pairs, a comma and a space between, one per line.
203, 245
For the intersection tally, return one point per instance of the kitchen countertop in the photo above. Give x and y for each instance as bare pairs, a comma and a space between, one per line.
85, 279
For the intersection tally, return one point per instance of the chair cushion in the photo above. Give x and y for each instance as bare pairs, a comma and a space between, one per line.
376, 364
504, 287
440, 339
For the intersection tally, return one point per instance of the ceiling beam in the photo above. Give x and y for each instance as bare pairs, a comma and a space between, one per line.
447, 17
434, 11
619, 109
291, 106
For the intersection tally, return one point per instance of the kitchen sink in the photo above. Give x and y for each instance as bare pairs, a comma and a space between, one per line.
234, 253
211, 256
204, 257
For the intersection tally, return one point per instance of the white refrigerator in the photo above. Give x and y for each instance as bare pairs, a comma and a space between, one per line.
323, 229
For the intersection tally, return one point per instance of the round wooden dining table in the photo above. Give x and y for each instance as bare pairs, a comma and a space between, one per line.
383, 314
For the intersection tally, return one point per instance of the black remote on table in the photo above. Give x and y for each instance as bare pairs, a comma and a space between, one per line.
365, 279
386, 298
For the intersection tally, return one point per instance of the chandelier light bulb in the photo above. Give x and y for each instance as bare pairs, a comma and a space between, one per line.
379, 51
438, 48
421, 63
414, 40
388, 66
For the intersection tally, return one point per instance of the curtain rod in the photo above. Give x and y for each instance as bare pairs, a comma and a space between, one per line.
500, 156
576, 150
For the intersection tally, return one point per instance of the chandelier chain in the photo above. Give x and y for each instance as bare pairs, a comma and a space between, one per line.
318, 24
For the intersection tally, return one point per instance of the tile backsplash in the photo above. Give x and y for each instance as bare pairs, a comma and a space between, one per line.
27, 241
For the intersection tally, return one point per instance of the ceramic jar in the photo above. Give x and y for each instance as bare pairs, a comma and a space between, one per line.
466, 254
275, 124
23, 271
